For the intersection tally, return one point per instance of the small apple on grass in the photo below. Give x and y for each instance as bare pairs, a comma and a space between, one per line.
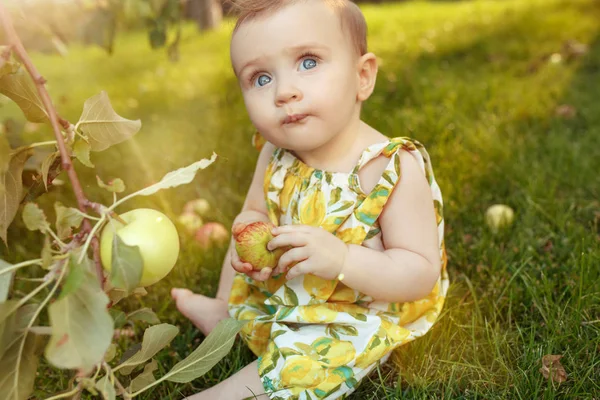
211, 233
251, 246
153, 233
498, 217
190, 221
198, 206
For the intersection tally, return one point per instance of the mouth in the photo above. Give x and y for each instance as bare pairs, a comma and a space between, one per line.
290, 119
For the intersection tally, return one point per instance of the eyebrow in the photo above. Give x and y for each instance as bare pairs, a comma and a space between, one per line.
292, 50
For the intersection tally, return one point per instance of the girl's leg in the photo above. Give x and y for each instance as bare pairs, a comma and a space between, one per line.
243, 384
206, 312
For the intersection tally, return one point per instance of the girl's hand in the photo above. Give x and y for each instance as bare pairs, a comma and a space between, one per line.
242, 267
314, 251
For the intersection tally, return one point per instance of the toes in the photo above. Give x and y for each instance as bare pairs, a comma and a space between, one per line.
177, 293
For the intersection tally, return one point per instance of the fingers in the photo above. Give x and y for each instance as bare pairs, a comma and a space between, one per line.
297, 270
291, 256
238, 265
237, 228
292, 228
287, 239
261, 275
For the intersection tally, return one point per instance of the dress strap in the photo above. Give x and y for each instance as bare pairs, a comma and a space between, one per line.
368, 211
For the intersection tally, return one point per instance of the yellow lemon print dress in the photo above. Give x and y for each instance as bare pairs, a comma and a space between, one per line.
317, 338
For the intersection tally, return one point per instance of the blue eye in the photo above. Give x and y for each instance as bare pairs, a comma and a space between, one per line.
262, 80
309, 63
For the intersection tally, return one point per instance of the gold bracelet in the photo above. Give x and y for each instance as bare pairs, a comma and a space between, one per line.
341, 276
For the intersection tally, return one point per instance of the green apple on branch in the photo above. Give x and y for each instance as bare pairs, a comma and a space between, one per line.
155, 236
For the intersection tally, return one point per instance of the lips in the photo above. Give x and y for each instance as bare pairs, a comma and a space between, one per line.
290, 119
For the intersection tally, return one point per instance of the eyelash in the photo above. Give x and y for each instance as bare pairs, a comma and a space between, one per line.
306, 54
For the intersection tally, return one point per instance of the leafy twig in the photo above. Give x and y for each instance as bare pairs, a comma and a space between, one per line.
20, 265
40, 144
113, 379
28, 297
64, 395
32, 320
17, 46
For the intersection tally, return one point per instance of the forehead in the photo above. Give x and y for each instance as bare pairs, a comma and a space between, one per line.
299, 23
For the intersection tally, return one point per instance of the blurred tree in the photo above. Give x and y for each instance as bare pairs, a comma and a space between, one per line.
207, 13
51, 25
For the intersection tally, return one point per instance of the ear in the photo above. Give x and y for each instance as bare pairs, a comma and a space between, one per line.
367, 75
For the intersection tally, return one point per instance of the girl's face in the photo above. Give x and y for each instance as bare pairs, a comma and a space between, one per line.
298, 74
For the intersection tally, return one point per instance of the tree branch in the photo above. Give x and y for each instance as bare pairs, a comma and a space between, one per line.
55, 120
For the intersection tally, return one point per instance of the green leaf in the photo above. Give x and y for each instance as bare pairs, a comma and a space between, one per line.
288, 351
9, 67
102, 125
359, 316
19, 87
345, 329
5, 281
119, 318
127, 265
7, 309
336, 195
305, 348
4, 158
155, 338
284, 312
114, 186
34, 218
110, 353
181, 176
116, 294
46, 165
106, 389
11, 338
10, 197
216, 346
144, 315
387, 177
130, 352
76, 275
274, 299
82, 149
66, 219
145, 378
345, 205
331, 332
290, 296
376, 342
82, 328
277, 333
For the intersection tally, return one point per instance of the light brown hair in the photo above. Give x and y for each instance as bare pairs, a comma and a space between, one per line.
351, 18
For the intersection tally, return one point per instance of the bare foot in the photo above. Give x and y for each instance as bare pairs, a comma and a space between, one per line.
204, 312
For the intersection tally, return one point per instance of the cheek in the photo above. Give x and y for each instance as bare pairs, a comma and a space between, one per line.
257, 109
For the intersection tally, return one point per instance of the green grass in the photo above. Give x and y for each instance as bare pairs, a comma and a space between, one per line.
472, 82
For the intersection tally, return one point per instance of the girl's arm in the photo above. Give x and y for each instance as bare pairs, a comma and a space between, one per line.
410, 265
255, 205
407, 267
253, 210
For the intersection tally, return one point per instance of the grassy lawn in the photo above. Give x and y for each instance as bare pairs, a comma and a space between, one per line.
473, 81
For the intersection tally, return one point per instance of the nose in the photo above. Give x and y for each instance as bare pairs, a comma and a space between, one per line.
287, 92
